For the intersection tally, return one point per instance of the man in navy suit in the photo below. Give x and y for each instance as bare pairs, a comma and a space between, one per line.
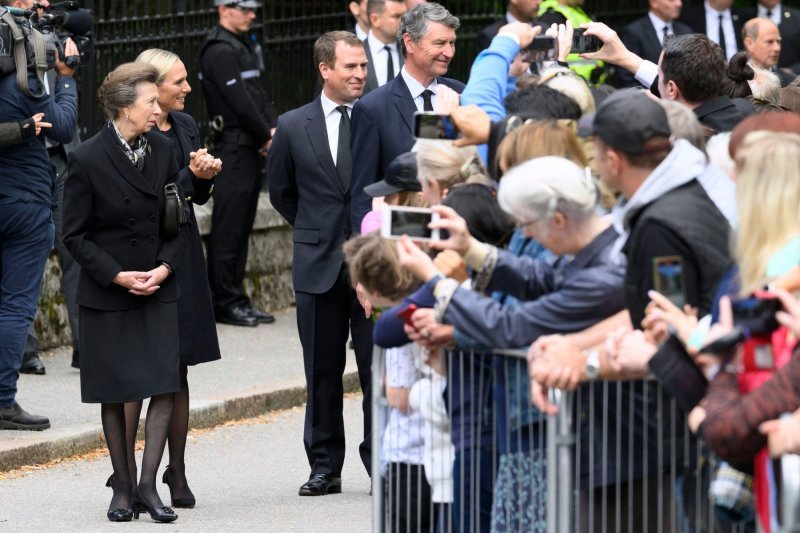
383, 120
720, 21
309, 169
645, 35
788, 21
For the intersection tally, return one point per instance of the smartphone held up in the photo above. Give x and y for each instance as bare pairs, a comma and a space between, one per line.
436, 126
411, 221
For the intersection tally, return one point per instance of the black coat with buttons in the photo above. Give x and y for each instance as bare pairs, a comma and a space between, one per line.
112, 219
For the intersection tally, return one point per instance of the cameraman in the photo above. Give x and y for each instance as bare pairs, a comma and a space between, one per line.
27, 197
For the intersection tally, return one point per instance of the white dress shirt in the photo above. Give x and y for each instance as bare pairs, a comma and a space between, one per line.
712, 29
775, 13
332, 119
360, 33
378, 51
658, 25
416, 89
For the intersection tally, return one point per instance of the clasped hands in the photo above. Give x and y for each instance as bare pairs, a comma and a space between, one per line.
142, 283
204, 165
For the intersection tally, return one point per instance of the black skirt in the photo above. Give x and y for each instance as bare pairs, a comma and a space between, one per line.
129, 355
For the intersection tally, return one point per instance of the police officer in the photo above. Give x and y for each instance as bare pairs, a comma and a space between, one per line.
230, 67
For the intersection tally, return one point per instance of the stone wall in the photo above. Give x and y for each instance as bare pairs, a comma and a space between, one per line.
268, 281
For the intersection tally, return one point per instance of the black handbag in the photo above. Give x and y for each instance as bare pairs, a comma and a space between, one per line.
175, 212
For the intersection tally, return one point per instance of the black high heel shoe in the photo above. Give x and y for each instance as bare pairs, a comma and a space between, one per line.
180, 503
159, 514
121, 514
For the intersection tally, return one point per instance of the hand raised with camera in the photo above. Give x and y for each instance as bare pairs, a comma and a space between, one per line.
70, 50
446, 99
473, 123
661, 313
563, 36
459, 239
524, 32
613, 50
449, 263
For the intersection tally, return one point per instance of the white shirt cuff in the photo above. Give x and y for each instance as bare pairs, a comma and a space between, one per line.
647, 73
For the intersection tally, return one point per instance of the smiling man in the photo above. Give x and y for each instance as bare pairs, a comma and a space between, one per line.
383, 120
309, 185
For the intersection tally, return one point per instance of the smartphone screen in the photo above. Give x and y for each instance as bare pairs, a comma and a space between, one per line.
411, 223
543, 48
668, 279
428, 125
584, 43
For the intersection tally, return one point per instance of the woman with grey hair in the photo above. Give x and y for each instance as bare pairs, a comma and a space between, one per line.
127, 237
554, 201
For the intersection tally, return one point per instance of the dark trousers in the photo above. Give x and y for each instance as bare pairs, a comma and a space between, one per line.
70, 269
408, 498
236, 191
323, 321
26, 237
473, 490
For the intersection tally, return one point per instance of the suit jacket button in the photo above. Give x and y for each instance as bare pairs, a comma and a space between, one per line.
127, 200
153, 218
131, 221
152, 238
133, 242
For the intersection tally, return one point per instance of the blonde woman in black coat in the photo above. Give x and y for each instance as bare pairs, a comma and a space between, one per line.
113, 204
197, 328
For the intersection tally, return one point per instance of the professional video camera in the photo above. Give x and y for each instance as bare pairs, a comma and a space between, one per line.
61, 21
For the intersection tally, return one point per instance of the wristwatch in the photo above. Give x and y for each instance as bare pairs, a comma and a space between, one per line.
592, 366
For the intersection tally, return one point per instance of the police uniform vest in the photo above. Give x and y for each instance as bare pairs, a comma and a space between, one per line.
584, 67
251, 65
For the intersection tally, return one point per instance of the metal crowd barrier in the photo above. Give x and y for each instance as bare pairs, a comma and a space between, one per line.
617, 457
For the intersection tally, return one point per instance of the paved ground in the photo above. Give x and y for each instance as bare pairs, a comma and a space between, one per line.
245, 476
261, 369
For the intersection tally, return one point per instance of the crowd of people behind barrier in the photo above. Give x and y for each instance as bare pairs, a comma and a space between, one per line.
615, 233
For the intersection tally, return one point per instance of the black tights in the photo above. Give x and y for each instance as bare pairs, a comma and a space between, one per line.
178, 430
156, 428
113, 417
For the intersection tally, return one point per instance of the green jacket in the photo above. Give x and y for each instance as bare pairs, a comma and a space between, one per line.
575, 14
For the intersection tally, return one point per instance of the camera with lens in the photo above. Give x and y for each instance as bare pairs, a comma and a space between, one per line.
59, 22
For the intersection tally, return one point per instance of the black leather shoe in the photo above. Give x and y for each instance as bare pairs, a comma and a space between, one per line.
236, 316
15, 417
76, 359
320, 485
31, 364
260, 316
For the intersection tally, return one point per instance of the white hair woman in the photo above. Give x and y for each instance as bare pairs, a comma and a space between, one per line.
555, 201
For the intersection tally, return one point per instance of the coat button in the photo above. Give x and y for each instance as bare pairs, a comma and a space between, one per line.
152, 238
134, 242
131, 221
127, 200
153, 218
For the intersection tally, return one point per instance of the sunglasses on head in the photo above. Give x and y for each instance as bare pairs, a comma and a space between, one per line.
242, 9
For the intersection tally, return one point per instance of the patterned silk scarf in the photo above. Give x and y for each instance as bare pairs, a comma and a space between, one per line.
135, 152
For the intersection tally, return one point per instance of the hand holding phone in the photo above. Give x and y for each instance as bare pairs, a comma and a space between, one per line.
411, 221
542, 48
582, 43
406, 313
437, 126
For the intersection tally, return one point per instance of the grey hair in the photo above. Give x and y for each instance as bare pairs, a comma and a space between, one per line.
120, 89
537, 188
766, 85
415, 21
683, 123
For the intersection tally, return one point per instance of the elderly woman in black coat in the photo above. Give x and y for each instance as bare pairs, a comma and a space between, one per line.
196, 325
115, 227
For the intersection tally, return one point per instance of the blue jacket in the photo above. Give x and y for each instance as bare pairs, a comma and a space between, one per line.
25, 172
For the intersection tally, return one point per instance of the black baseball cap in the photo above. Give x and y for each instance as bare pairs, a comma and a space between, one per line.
627, 119
401, 175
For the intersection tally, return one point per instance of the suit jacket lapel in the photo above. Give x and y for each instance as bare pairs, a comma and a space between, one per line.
318, 136
122, 164
652, 39
404, 102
